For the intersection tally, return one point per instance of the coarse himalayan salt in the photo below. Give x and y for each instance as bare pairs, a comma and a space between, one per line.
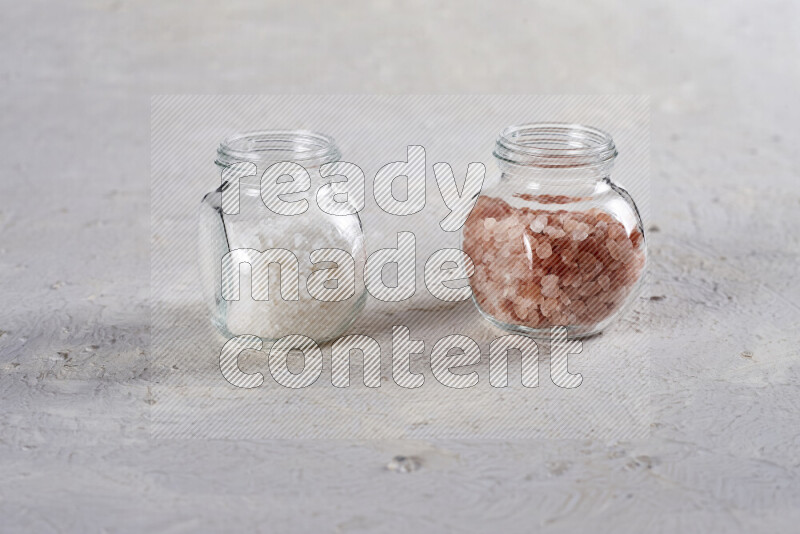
540, 268
544, 250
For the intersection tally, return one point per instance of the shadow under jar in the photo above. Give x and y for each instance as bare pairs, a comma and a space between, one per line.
554, 242
317, 295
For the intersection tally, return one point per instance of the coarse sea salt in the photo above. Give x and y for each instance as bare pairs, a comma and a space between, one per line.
277, 317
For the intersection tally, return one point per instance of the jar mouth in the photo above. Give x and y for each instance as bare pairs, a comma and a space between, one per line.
307, 148
555, 145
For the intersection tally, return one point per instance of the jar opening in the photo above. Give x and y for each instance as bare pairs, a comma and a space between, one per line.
307, 148
555, 145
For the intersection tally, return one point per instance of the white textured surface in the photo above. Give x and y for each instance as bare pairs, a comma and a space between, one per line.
77, 77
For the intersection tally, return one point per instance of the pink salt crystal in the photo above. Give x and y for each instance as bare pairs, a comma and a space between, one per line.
523, 300
503, 225
505, 312
625, 245
636, 238
605, 217
539, 224
508, 291
544, 250
596, 246
572, 292
626, 251
515, 232
568, 277
535, 319
521, 310
616, 231
632, 274
557, 318
550, 280
550, 291
604, 281
570, 225
592, 271
519, 270
532, 293
482, 275
613, 249
579, 235
587, 261
548, 307
554, 232
569, 260
489, 223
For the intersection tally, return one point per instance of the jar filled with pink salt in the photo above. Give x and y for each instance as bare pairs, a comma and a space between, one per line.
555, 242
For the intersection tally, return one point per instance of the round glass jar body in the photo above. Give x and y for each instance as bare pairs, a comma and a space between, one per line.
303, 267
554, 242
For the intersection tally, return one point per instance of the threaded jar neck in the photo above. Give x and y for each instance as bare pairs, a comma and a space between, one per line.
309, 149
555, 146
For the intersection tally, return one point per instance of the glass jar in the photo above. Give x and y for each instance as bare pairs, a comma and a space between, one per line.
236, 227
554, 242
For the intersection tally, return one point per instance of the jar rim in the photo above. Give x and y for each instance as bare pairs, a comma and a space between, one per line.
301, 146
555, 144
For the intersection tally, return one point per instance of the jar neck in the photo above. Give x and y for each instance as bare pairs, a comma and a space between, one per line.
555, 155
264, 148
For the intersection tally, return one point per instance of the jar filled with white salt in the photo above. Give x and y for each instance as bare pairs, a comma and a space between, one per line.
278, 252
555, 242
